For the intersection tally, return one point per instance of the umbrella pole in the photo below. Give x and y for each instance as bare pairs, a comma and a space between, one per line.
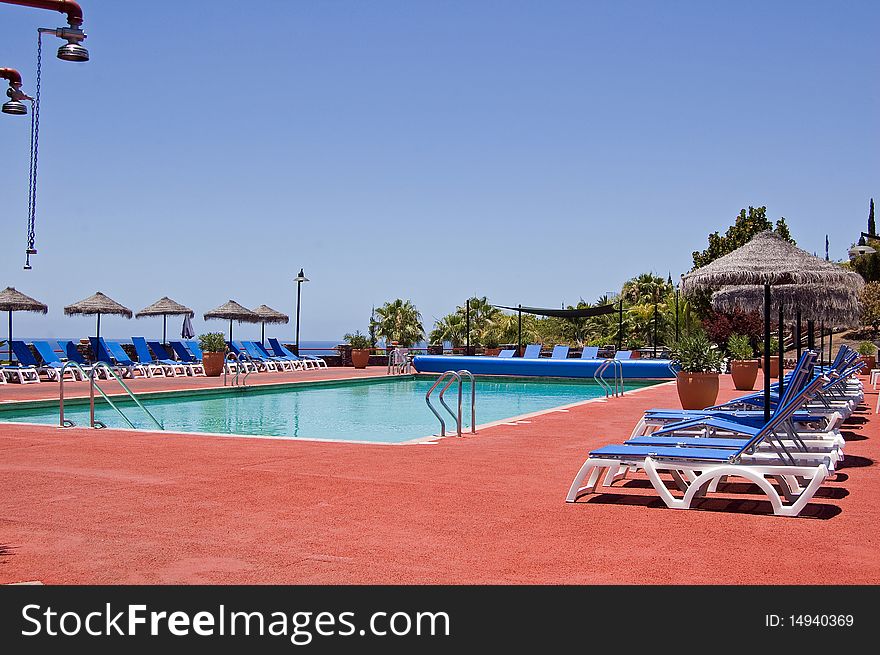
164, 328
519, 332
822, 343
263, 333
811, 335
797, 323
830, 339
766, 353
781, 352
230, 330
10, 337
98, 327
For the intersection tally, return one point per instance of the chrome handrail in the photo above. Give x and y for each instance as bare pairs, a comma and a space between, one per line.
454, 376
597, 376
431, 407
473, 380
93, 384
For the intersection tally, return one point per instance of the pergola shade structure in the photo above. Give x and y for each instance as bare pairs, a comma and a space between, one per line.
97, 304
269, 315
15, 301
165, 307
232, 311
767, 260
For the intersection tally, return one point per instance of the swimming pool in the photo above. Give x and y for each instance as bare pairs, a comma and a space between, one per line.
385, 410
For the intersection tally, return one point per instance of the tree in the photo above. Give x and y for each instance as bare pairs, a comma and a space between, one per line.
450, 328
872, 226
400, 321
454, 325
740, 233
870, 305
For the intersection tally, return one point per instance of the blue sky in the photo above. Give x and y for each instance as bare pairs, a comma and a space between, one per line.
534, 152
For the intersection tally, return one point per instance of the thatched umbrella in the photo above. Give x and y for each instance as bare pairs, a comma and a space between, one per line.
766, 260
269, 315
97, 304
165, 307
833, 305
15, 301
232, 311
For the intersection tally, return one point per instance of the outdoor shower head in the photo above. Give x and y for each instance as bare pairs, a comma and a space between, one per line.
73, 52
15, 106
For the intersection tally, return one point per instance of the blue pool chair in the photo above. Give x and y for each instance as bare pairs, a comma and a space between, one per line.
195, 349
52, 363
590, 352
183, 354
283, 362
267, 363
279, 350
559, 352
114, 355
27, 369
507, 353
533, 351
182, 367
145, 359
698, 470
623, 354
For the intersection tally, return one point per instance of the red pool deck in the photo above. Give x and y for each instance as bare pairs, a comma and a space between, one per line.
83, 506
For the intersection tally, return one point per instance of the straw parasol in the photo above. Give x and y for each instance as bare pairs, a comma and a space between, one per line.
232, 311
767, 260
15, 301
269, 315
165, 307
832, 305
97, 304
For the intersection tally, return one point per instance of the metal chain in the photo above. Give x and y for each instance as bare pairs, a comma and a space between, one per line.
35, 148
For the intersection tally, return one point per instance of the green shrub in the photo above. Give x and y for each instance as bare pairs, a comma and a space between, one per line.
867, 349
740, 347
213, 342
357, 340
694, 353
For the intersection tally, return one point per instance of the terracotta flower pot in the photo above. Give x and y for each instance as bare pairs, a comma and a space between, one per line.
213, 363
774, 366
744, 373
360, 357
870, 363
697, 390
492, 352
636, 354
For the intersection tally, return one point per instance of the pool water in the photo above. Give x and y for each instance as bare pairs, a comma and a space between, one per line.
388, 410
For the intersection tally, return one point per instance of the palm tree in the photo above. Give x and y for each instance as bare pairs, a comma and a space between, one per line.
646, 288
400, 321
449, 328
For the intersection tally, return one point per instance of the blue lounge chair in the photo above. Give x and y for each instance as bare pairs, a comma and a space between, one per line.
533, 351
112, 354
279, 350
559, 352
282, 362
623, 354
590, 352
697, 470
256, 356
145, 359
244, 360
183, 354
187, 368
27, 369
195, 349
507, 353
50, 358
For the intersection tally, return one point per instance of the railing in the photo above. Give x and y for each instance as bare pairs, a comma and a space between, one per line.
452, 377
93, 384
399, 362
617, 389
242, 361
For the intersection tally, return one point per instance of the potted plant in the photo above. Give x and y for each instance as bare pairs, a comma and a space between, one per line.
699, 364
774, 357
490, 343
360, 349
868, 351
634, 344
213, 345
743, 365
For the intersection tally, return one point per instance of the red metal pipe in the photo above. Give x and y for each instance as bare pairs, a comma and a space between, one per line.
12, 75
72, 9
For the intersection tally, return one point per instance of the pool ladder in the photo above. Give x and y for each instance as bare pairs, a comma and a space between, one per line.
450, 377
92, 374
399, 363
616, 389
244, 361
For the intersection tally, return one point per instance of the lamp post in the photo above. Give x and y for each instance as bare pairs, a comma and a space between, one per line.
299, 279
